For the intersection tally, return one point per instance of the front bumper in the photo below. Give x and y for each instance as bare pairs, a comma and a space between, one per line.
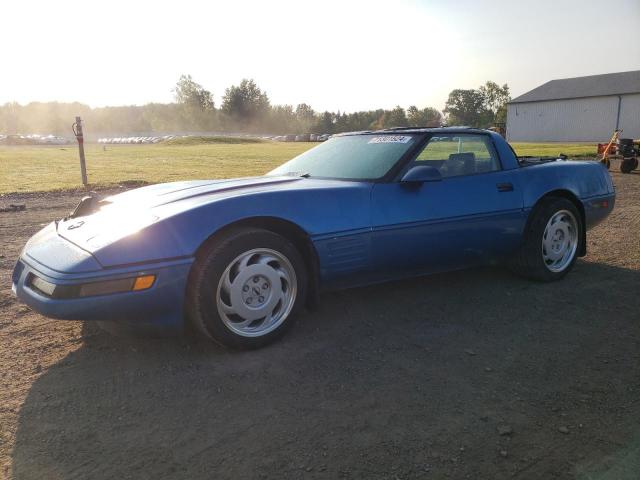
162, 305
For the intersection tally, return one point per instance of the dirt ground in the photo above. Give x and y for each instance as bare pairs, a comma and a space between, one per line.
475, 374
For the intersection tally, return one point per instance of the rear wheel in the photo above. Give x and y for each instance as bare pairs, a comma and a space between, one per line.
628, 165
551, 242
245, 288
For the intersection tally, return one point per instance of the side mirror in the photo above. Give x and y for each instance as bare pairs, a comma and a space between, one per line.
421, 174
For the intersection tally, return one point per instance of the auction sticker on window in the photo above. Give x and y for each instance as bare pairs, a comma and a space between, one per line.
391, 139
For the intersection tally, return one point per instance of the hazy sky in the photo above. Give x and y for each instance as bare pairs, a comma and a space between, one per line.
347, 55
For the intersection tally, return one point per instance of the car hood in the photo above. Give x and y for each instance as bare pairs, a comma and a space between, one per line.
170, 221
129, 212
167, 193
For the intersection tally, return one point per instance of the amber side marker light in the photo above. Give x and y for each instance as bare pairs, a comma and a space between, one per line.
143, 282
106, 287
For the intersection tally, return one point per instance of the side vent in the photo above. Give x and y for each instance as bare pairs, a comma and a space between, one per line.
347, 254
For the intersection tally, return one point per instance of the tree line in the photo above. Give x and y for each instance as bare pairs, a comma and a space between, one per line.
246, 108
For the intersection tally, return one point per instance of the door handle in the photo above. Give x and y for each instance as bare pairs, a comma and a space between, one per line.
505, 187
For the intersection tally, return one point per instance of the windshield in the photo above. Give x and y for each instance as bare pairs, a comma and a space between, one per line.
353, 157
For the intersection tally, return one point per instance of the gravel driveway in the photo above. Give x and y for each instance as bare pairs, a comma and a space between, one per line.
475, 374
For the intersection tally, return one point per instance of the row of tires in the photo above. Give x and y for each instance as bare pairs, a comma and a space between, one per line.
33, 139
134, 140
247, 285
306, 137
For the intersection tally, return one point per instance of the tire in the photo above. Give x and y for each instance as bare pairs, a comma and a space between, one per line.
246, 287
628, 165
544, 240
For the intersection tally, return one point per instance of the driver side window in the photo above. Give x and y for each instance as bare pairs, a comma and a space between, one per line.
456, 155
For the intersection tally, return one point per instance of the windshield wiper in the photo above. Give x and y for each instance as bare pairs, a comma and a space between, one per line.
298, 174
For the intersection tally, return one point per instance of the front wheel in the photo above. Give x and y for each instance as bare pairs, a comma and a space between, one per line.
551, 241
245, 288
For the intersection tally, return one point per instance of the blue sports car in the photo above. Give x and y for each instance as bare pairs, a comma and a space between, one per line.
238, 258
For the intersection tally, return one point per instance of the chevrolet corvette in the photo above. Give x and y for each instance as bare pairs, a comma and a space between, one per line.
238, 259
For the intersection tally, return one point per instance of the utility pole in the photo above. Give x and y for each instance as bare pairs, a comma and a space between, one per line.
77, 130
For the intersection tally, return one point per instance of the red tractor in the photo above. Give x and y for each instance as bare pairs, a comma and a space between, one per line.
626, 149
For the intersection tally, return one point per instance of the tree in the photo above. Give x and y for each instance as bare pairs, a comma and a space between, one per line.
341, 123
427, 117
192, 94
196, 104
11, 121
396, 118
246, 107
305, 116
282, 119
365, 120
245, 103
466, 107
495, 100
324, 123
478, 108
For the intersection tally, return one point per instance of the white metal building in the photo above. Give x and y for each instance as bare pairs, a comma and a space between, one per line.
582, 109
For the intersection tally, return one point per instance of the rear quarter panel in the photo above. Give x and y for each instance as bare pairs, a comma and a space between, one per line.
584, 179
588, 181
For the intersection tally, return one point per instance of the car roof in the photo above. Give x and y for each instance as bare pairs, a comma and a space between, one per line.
452, 129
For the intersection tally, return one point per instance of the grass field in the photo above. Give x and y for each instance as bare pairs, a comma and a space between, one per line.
38, 168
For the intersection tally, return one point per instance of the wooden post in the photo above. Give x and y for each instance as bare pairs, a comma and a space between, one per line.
77, 129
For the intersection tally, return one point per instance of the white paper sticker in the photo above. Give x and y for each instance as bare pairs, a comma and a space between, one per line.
390, 139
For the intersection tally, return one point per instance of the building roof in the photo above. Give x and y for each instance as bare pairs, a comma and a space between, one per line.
581, 87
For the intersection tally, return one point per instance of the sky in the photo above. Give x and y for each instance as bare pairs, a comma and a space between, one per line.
332, 54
